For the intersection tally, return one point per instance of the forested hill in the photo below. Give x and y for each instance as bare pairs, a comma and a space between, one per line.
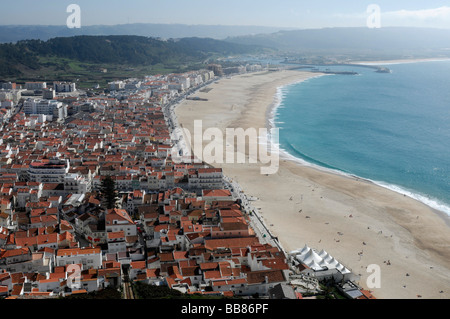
130, 50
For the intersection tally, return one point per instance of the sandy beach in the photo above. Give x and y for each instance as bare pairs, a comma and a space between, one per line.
356, 221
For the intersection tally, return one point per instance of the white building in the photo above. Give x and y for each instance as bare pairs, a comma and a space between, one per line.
45, 107
40, 262
64, 87
206, 178
49, 94
196, 80
11, 95
88, 257
116, 85
184, 81
180, 87
118, 220
13, 256
133, 84
35, 86
116, 242
49, 171
7, 104
5, 96
8, 86
76, 184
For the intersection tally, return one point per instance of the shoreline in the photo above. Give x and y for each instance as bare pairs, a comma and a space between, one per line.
330, 200
285, 155
433, 203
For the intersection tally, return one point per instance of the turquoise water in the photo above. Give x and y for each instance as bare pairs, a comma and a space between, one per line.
392, 129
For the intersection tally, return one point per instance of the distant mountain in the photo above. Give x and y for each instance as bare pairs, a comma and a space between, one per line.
395, 40
123, 50
16, 33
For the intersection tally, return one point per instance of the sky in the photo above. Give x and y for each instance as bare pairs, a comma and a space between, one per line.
275, 13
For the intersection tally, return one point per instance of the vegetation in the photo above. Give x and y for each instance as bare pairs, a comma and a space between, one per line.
107, 293
144, 291
329, 291
108, 193
72, 56
13, 56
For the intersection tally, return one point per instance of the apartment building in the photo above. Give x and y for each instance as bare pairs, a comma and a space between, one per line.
205, 178
57, 110
48, 171
35, 86
118, 220
88, 257
64, 87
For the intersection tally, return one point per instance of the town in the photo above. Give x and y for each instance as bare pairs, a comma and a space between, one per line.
185, 226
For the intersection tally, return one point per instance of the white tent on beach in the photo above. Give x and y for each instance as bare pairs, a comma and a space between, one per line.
321, 261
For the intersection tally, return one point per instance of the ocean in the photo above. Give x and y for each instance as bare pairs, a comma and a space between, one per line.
392, 129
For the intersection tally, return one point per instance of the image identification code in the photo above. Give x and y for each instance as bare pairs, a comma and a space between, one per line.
229, 309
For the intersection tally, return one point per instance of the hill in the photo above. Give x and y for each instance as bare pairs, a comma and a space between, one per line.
32, 55
14, 33
383, 41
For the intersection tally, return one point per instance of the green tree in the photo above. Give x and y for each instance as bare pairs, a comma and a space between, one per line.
107, 293
109, 193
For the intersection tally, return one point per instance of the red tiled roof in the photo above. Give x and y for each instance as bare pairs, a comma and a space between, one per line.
216, 193
78, 251
257, 277
213, 244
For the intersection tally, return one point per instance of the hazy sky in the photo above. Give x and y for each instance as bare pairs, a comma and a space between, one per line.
280, 13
